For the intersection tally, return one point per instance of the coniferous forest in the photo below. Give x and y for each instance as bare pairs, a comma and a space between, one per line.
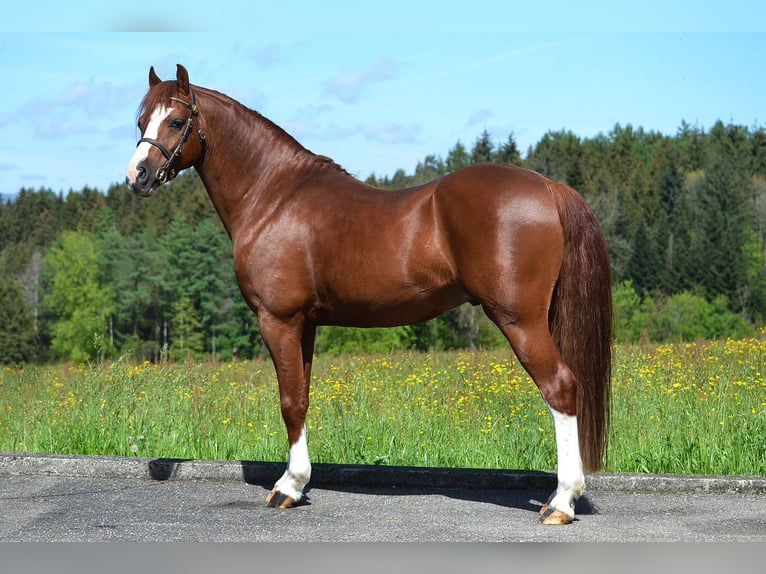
92, 274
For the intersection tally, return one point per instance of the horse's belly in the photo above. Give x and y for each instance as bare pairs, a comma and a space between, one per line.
391, 308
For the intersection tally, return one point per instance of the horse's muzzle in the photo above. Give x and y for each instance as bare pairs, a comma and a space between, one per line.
144, 185
142, 191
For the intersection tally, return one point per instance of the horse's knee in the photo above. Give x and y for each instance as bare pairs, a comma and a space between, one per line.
289, 405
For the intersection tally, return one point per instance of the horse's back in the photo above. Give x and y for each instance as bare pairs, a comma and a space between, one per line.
498, 187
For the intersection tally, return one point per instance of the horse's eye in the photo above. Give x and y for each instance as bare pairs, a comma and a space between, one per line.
176, 124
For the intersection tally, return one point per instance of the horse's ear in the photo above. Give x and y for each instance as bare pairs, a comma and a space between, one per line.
154, 79
182, 77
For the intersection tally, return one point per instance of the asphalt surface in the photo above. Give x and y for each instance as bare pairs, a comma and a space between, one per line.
70, 498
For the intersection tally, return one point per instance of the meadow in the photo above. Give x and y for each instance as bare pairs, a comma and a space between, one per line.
693, 408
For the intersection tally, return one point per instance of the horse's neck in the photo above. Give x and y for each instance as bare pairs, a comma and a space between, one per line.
248, 159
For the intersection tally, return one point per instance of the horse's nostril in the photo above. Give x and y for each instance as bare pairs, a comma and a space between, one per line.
141, 175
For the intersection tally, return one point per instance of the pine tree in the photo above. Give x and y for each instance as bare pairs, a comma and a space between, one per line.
645, 265
482, 151
457, 158
724, 213
16, 330
558, 155
508, 153
187, 336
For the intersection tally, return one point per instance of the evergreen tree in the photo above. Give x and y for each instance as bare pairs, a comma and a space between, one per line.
483, 149
644, 266
457, 158
16, 330
211, 280
668, 181
400, 180
692, 147
187, 336
429, 169
724, 213
508, 153
558, 155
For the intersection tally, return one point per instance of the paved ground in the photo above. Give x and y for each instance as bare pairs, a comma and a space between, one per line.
112, 499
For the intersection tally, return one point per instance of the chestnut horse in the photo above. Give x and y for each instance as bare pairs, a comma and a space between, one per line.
315, 246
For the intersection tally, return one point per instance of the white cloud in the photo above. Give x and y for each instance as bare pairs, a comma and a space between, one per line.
392, 133
90, 98
348, 86
386, 133
56, 128
478, 117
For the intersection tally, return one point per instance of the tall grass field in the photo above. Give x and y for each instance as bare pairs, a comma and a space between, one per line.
678, 408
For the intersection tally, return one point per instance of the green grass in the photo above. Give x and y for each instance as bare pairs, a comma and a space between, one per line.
685, 408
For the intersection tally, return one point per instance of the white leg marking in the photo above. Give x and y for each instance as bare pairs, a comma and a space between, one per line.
298, 470
142, 151
571, 480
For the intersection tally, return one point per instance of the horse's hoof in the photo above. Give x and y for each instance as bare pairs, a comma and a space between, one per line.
276, 499
551, 516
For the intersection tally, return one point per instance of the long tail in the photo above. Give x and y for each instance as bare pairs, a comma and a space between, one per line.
581, 320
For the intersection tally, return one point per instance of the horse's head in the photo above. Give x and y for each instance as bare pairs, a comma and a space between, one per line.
167, 118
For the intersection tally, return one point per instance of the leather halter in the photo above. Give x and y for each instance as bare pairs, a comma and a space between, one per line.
166, 172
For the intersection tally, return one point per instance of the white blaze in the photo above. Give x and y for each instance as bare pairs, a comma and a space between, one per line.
142, 151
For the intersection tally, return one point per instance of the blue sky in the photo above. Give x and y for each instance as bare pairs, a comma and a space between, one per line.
376, 86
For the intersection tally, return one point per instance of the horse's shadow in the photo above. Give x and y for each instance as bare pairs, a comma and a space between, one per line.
527, 500
523, 490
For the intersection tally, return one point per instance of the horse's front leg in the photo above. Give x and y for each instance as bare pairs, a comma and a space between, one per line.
291, 344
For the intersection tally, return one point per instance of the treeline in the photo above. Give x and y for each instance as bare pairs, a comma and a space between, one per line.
101, 274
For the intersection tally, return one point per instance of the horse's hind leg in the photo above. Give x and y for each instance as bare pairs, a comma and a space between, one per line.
532, 342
